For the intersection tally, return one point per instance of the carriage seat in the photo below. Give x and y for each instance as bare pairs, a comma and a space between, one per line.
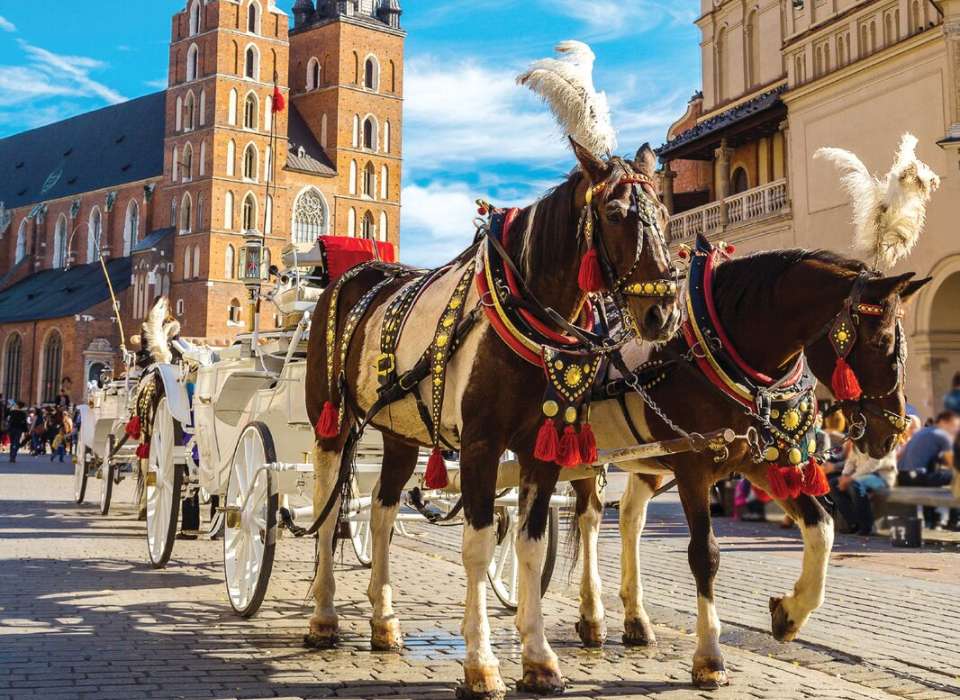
199, 354
293, 257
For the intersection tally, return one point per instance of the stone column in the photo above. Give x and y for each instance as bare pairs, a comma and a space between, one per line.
668, 177
722, 156
951, 34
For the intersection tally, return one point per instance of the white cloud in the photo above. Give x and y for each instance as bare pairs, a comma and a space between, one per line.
6, 25
611, 19
72, 68
158, 84
436, 222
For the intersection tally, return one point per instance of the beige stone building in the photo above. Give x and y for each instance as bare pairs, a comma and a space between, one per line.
781, 78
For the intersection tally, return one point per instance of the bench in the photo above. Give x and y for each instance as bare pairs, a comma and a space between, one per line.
905, 501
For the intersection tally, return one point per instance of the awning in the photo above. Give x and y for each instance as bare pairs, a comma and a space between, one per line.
344, 252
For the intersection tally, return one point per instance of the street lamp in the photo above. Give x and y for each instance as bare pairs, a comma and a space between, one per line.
252, 274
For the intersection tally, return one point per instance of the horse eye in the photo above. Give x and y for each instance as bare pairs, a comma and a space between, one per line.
616, 212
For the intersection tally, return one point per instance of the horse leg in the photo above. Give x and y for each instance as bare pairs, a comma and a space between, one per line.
704, 556
399, 461
478, 480
637, 628
324, 626
789, 613
591, 626
541, 667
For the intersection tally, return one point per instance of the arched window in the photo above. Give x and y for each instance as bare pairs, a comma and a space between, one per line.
356, 131
198, 219
173, 211
252, 64
352, 184
323, 130
60, 243
231, 158
21, 251
393, 76
309, 216
228, 211
369, 181
52, 367
11, 367
253, 18
195, 17
721, 77
203, 107
233, 312
369, 229
186, 214
179, 307
175, 174
384, 182
386, 137
313, 74
356, 68
370, 133
189, 112
268, 216
739, 182
250, 163
249, 213
94, 232
187, 261
203, 159
352, 222
250, 108
178, 117
236, 58
753, 49
371, 73
196, 262
798, 68
268, 113
817, 62
916, 18
229, 263
232, 108
186, 173
267, 158
193, 58
873, 36
131, 227
383, 226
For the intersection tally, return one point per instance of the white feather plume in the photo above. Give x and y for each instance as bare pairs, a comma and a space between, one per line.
889, 213
565, 83
155, 332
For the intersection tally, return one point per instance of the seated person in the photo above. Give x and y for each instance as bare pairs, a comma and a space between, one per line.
920, 462
862, 476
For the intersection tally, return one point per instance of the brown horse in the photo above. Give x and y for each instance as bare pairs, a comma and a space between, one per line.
492, 400
773, 306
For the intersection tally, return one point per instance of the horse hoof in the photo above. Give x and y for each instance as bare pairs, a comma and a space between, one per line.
710, 674
592, 634
322, 636
541, 680
386, 636
783, 628
638, 633
482, 683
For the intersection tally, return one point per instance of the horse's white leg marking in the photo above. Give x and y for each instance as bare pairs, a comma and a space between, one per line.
385, 627
591, 625
638, 629
708, 635
808, 591
537, 656
481, 668
324, 623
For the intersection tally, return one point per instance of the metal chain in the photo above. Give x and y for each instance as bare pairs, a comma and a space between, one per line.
634, 384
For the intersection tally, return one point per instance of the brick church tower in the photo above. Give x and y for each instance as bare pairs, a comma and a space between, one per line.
328, 164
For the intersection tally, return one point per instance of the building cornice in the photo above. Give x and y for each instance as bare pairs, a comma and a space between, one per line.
756, 92
155, 179
380, 27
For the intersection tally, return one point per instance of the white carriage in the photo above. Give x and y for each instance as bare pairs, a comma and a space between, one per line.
103, 450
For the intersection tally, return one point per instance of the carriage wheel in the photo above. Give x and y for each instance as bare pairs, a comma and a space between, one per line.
80, 473
250, 531
504, 570
106, 483
164, 483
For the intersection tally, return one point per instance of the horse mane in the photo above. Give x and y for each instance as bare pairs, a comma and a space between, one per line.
538, 237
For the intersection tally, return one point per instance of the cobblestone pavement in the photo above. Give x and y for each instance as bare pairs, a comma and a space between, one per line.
82, 615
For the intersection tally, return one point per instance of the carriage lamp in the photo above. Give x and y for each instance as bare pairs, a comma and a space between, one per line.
252, 273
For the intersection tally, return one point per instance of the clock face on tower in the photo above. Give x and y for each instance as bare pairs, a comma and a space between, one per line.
52, 180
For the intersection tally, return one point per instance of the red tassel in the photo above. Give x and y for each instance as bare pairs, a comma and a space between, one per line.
279, 104
328, 424
569, 453
590, 277
436, 476
793, 478
844, 382
133, 428
588, 444
778, 486
815, 479
548, 444
143, 450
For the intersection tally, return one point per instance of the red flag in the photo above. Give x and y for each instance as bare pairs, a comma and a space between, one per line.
279, 104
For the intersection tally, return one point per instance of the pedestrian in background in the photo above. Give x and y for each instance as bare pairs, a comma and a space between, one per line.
919, 465
952, 400
17, 426
862, 477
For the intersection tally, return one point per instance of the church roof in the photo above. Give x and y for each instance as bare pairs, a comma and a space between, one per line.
110, 146
58, 293
312, 159
152, 239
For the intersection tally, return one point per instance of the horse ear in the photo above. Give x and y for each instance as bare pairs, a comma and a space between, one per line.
913, 287
883, 287
646, 160
594, 168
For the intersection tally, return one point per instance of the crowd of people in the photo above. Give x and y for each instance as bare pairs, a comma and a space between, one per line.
928, 455
39, 430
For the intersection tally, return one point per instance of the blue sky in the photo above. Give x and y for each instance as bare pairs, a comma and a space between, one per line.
469, 130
